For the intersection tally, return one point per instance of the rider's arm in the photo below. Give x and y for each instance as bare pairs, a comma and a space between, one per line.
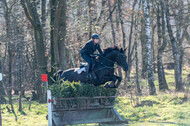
88, 49
99, 49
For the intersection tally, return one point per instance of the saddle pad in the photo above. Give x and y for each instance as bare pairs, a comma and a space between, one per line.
80, 70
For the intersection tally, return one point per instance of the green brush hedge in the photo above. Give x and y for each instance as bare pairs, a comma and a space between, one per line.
76, 89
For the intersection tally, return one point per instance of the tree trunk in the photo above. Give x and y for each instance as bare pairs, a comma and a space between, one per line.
32, 15
110, 14
43, 19
153, 49
178, 81
161, 35
101, 13
139, 92
111, 22
179, 35
136, 57
43, 11
2, 91
152, 89
130, 53
20, 100
90, 18
60, 34
119, 2
20, 80
8, 40
10, 75
143, 45
52, 19
118, 21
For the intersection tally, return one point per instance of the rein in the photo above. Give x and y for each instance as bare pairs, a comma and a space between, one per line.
105, 65
108, 60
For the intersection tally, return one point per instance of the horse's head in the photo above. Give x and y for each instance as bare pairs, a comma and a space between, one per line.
117, 55
121, 59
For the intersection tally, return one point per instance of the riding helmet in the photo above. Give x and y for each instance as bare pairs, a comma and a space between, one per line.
95, 36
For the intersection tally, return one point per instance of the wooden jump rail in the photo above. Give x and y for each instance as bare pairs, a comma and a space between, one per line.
81, 110
84, 103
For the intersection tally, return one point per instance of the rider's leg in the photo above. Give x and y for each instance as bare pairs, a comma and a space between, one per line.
89, 61
88, 69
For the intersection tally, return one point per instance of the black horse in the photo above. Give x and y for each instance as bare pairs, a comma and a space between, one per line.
101, 72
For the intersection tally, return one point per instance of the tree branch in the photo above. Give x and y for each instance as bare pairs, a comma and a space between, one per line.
27, 9
103, 26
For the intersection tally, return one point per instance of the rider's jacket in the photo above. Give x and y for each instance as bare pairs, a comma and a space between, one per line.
90, 48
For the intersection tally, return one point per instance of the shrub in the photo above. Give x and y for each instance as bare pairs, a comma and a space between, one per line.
76, 89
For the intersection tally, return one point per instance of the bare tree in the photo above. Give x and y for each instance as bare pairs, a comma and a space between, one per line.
58, 34
20, 78
2, 90
32, 15
161, 36
111, 22
179, 19
90, 17
130, 47
7, 16
152, 89
178, 81
143, 45
119, 2
139, 92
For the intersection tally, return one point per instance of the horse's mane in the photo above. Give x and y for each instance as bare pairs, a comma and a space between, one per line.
110, 49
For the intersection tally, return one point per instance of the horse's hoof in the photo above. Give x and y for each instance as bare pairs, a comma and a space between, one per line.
107, 86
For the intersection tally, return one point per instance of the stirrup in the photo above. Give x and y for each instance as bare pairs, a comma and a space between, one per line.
88, 77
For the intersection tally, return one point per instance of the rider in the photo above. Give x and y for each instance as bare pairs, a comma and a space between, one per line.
88, 50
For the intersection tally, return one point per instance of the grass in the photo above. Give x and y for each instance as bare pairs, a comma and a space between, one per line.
164, 109
35, 117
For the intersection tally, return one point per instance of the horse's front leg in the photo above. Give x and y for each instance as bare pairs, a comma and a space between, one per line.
119, 81
113, 84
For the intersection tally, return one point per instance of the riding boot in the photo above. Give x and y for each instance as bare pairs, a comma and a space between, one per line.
87, 72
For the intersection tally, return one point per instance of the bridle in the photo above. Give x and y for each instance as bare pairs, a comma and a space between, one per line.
118, 60
110, 61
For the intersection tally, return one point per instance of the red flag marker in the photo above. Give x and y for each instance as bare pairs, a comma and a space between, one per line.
44, 77
50, 100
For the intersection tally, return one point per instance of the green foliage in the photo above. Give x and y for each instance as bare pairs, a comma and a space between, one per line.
76, 89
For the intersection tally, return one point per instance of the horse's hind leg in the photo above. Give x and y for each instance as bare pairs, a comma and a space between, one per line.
113, 84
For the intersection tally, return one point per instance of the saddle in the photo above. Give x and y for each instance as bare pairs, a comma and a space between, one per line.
84, 65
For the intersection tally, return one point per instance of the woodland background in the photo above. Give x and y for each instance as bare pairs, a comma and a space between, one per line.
42, 36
